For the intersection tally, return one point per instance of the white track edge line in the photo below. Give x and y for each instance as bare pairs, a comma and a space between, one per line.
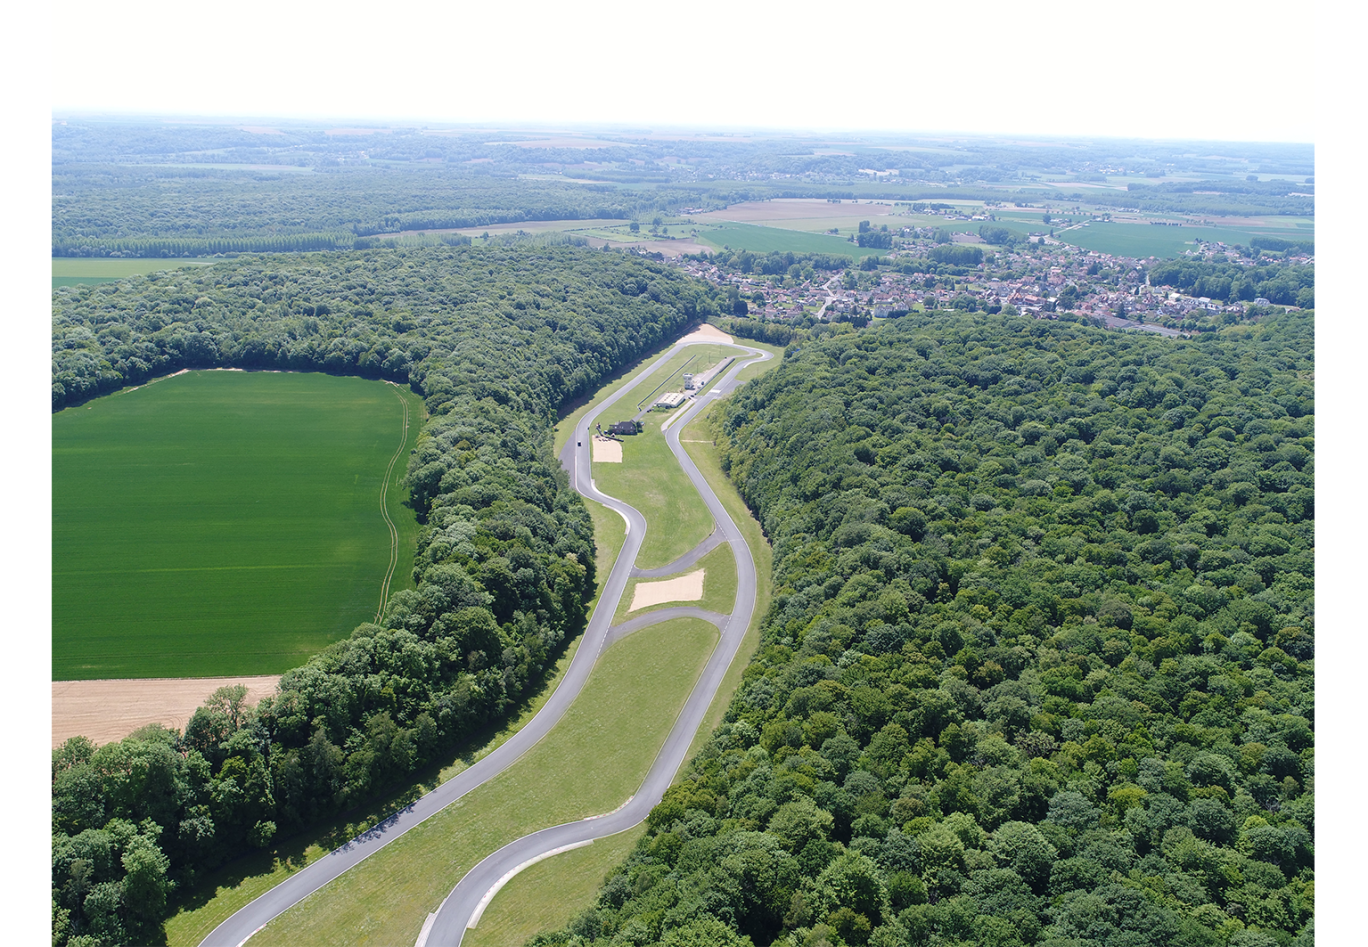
508, 876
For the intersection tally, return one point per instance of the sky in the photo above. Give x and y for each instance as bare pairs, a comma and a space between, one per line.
1166, 68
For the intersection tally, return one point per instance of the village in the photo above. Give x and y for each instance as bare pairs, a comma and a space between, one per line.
1041, 278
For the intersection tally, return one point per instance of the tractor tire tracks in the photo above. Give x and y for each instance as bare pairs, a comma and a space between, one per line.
384, 506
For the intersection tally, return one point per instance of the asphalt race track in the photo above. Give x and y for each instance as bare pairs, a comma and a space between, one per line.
462, 907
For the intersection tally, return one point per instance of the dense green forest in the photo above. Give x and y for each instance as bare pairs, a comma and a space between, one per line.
495, 340
1038, 668
138, 211
1281, 284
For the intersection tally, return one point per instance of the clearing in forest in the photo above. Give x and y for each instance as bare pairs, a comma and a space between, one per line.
76, 271
225, 523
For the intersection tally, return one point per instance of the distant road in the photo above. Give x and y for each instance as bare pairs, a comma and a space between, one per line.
451, 919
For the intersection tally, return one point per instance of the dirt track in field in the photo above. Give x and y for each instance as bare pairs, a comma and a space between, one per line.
107, 711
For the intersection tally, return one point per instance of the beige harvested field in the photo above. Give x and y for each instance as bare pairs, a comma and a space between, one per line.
709, 333
544, 226
797, 209
685, 588
107, 711
607, 450
528, 226
669, 248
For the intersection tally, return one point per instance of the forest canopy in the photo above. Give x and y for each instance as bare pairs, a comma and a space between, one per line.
495, 340
1039, 664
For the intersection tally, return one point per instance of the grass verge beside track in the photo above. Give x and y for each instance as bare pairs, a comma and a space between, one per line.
589, 764
697, 441
546, 896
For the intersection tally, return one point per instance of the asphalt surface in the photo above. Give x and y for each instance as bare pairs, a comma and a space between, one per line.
449, 924
715, 539
468, 899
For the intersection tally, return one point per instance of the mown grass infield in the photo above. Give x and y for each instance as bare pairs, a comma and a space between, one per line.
590, 763
224, 523
649, 478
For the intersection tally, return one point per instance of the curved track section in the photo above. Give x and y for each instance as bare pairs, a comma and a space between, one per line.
715, 539
452, 918
462, 908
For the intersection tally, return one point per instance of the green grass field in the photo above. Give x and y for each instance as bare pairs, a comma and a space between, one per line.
76, 271
765, 239
223, 523
590, 763
221, 893
1146, 240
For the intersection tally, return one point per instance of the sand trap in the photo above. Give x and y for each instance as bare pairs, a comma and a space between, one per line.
607, 450
707, 333
107, 711
686, 588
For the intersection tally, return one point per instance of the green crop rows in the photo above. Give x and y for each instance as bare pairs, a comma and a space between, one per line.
220, 523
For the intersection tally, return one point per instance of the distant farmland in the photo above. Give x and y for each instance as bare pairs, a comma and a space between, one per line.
1146, 240
223, 523
765, 239
75, 271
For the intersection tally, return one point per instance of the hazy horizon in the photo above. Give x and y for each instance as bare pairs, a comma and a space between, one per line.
626, 128
1177, 71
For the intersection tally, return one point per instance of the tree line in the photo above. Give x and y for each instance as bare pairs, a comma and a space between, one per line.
1280, 284
495, 340
1038, 668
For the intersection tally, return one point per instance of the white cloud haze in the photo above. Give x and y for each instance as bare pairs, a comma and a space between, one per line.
1056, 67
